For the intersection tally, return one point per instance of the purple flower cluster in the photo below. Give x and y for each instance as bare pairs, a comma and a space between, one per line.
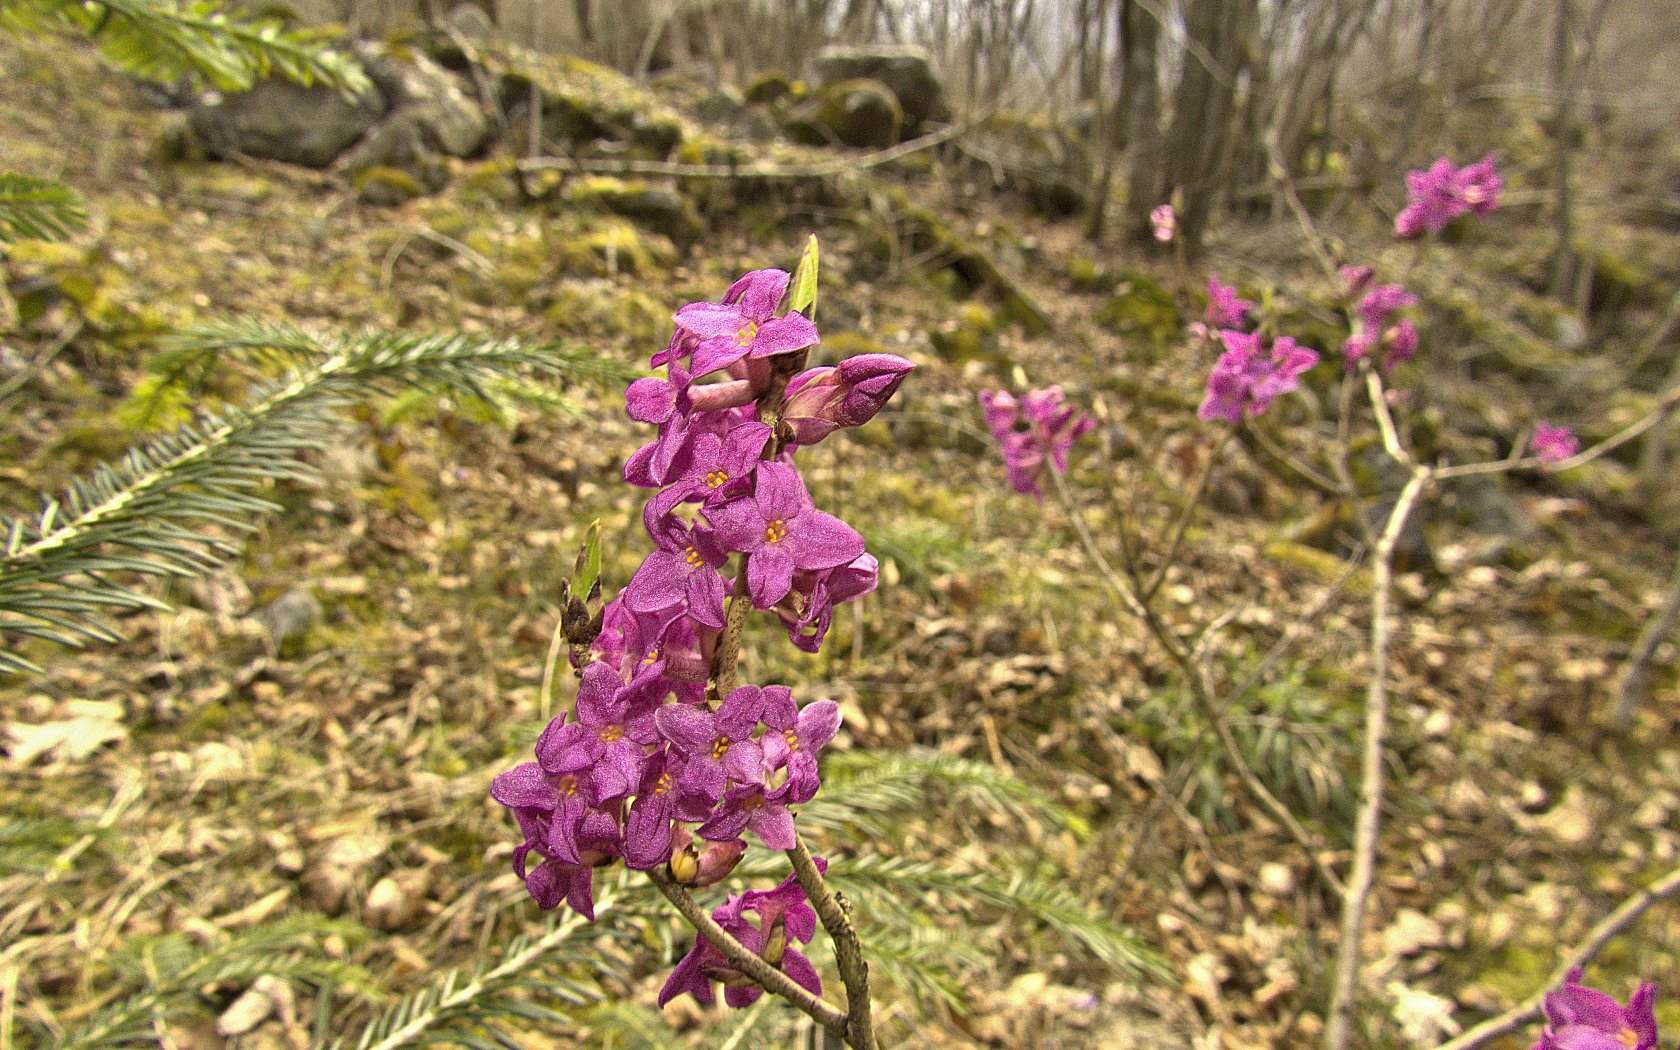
647, 760
784, 914
1378, 331
1249, 375
1441, 193
1582, 1018
1034, 429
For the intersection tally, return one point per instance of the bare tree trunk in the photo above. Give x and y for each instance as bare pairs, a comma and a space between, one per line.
1216, 34
1103, 136
1141, 94
1563, 128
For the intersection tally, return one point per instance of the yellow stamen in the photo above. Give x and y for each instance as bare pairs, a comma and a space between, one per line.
719, 747
792, 739
662, 786
747, 334
714, 478
1627, 1037
775, 531
693, 558
611, 734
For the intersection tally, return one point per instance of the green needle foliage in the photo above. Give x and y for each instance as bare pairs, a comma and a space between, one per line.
172, 968
169, 508
166, 40
538, 978
38, 209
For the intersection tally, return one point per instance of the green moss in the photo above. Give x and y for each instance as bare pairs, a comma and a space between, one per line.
1323, 565
772, 86
613, 247
656, 208
599, 310
386, 186
583, 102
1142, 309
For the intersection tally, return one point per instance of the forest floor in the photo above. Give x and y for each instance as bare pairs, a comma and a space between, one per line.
198, 782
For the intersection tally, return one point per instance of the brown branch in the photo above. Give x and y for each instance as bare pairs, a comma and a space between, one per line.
1370, 797
742, 958
1183, 522
726, 171
848, 953
1624, 916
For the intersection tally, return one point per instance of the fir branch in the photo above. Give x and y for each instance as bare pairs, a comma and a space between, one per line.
892, 884
153, 513
172, 968
872, 790
38, 209
450, 1009
165, 40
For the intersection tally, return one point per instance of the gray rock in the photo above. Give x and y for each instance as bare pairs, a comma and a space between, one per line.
280, 120
431, 98
906, 71
393, 163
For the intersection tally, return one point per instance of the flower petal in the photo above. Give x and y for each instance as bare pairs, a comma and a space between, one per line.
524, 785
783, 335
821, 541
769, 574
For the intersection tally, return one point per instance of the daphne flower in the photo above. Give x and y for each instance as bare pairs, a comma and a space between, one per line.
781, 532
608, 740
823, 400
716, 748
1246, 379
1582, 1018
1554, 444
1163, 222
784, 915
1224, 309
728, 332
1035, 429
794, 740
1441, 193
683, 570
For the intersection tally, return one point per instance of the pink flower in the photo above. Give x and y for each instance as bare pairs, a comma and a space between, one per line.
745, 327
1031, 430
781, 532
1164, 222
1554, 444
1441, 193
1246, 379
1224, 309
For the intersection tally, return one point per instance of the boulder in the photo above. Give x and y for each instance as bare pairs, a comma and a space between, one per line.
861, 113
395, 163
583, 103
906, 71
432, 99
280, 120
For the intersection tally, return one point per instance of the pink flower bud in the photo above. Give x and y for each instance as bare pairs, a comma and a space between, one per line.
1165, 222
822, 400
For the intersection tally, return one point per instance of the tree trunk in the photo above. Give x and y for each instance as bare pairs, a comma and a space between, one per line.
1140, 93
1563, 130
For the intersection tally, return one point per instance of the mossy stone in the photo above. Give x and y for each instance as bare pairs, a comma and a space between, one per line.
386, 187
862, 113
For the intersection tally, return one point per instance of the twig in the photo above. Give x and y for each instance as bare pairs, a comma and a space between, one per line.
742, 958
1184, 516
1665, 407
1371, 790
1624, 916
1635, 676
727, 171
43, 359
1200, 690
848, 953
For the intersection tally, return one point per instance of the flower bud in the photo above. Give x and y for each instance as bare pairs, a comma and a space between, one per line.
717, 860
822, 400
